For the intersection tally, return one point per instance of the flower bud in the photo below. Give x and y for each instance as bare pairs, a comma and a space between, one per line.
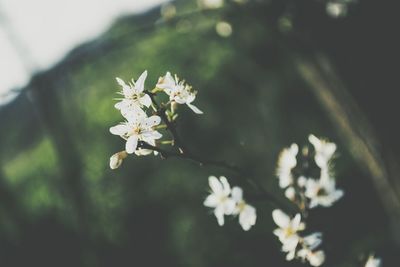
117, 159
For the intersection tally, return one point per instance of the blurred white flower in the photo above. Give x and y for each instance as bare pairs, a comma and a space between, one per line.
373, 262
324, 151
138, 127
286, 162
210, 4
322, 192
219, 198
247, 213
134, 97
224, 29
178, 91
336, 9
315, 258
307, 252
168, 11
288, 231
117, 159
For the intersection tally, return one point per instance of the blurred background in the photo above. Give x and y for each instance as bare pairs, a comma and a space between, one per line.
268, 74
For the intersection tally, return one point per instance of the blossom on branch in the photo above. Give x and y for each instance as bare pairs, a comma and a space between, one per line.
178, 91
134, 96
220, 199
324, 151
288, 231
307, 178
247, 213
138, 127
293, 243
322, 192
227, 201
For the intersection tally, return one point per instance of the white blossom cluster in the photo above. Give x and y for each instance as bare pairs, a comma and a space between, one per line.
135, 106
294, 244
307, 177
227, 201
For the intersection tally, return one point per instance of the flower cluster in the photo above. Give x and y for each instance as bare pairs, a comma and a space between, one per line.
294, 244
136, 103
307, 177
227, 201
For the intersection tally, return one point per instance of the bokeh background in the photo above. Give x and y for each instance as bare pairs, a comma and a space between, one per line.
286, 69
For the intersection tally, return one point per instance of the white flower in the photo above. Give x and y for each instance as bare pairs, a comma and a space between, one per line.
310, 243
138, 127
287, 231
219, 198
373, 262
178, 91
287, 161
322, 192
224, 29
324, 151
211, 4
315, 258
117, 159
247, 213
336, 9
133, 95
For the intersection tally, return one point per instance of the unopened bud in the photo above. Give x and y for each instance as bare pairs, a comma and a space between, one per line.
117, 159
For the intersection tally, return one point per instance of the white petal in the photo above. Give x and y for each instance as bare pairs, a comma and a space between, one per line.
280, 218
247, 218
194, 108
120, 129
296, 221
131, 144
133, 114
219, 213
290, 255
166, 82
151, 121
279, 233
120, 82
150, 136
139, 85
290, 243
237, 194
225, 184
145, 100
215, 185
211, 201
229, 206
